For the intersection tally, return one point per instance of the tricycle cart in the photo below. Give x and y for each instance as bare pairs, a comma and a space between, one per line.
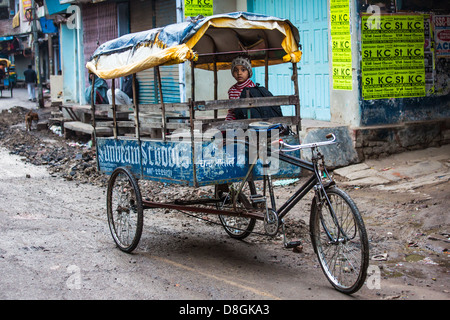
192, 150
7, 80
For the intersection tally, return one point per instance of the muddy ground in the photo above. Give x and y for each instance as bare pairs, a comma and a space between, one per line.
408, 231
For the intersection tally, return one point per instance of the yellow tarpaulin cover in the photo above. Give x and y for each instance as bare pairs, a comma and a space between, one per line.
185, 41
5, 62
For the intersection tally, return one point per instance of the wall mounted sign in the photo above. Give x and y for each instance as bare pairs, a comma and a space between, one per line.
341, 44
392, 57
442, 30
193, 8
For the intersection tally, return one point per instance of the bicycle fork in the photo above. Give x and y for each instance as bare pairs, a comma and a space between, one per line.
321, 199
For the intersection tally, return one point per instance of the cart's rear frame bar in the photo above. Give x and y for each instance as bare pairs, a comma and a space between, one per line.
188, 206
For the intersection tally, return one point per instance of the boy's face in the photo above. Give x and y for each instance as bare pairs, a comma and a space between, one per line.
240, 73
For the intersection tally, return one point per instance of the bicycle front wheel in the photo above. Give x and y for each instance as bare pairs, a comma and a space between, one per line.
340, 240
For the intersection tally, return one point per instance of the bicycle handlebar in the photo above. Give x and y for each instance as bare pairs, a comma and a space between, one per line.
308, 145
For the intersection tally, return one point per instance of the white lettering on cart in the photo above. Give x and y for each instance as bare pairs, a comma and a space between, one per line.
118, 153
152, 155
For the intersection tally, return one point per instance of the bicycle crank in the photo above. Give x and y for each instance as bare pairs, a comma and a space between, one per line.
271, 222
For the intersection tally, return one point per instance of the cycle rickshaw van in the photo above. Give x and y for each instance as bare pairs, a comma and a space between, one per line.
7, 81
183, 142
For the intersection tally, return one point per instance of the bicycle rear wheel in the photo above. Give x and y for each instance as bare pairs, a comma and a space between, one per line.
236, 227
343, 250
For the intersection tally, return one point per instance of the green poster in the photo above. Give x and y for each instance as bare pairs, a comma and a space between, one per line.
392, 57
193, 8
341, 44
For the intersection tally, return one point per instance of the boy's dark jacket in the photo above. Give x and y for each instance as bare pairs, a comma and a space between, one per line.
258, 112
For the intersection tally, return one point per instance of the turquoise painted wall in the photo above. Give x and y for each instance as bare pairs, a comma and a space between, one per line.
72, 63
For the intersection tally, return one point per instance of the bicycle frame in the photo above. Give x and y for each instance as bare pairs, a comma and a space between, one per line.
304, 189
315, 181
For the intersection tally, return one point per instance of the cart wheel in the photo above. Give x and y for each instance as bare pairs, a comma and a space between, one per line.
236, 227
124, 209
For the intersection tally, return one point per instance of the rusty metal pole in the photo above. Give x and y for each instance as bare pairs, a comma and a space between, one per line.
136, 109
94, 132
113, 96
137, 122
297, 106
163, 107
37, 66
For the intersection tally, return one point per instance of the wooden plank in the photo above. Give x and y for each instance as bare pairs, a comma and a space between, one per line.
78, 107
86, 109
86, 128
208, 105
177, 107
154, 120
169, 125
245, 103
120, 115
120, 124
157, 107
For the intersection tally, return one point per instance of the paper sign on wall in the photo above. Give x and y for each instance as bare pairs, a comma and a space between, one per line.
193, 8
392, 56
442, 30
341, 44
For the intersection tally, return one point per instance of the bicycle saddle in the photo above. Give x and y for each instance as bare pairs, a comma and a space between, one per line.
264, 126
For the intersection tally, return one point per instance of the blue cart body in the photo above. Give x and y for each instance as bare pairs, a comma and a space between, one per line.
174, 162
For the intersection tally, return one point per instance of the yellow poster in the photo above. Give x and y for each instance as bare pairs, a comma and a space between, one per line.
341, 44
193, 8
26, 5
392, 56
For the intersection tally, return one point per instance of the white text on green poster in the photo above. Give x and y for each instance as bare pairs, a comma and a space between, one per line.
193, 8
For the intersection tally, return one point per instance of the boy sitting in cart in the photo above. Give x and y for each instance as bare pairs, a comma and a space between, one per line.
241, 69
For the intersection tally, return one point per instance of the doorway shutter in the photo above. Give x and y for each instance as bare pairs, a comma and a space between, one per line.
145, 15
99, 26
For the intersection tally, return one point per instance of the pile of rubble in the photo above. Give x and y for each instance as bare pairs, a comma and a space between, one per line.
69, 159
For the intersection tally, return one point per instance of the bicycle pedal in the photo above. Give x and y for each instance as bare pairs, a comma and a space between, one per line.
292, 244
256, 198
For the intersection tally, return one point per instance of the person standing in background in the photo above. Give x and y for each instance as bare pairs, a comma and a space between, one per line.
30, 80
124, 96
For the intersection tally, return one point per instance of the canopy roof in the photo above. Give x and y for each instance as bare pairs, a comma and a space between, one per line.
5, 62
224, 34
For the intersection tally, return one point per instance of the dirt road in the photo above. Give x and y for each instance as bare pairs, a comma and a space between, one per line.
55, 244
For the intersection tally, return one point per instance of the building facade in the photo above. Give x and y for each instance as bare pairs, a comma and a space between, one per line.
365, 64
